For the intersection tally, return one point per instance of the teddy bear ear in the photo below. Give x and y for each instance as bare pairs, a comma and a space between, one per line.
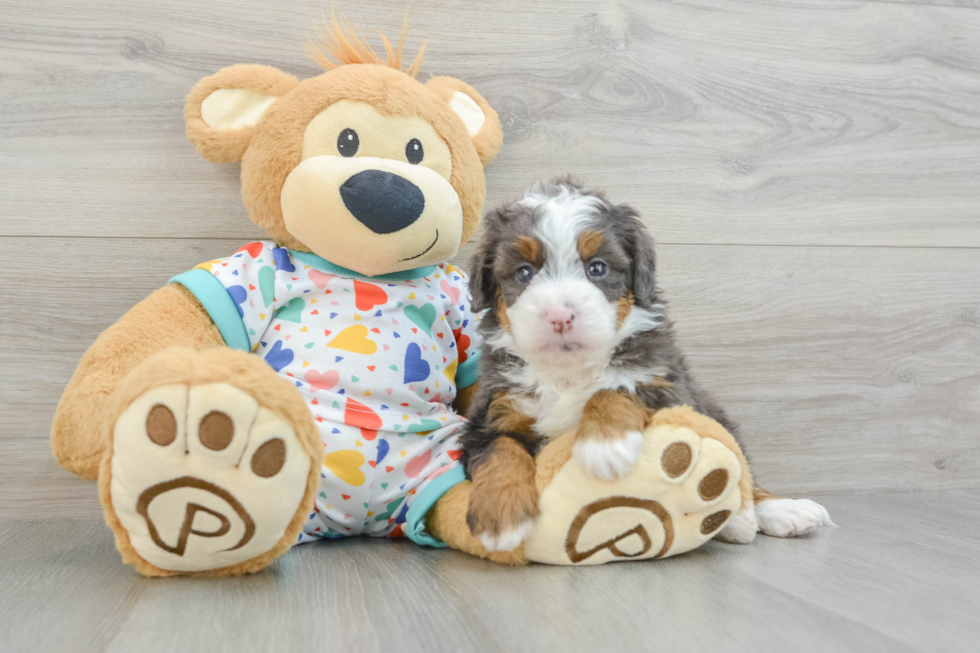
478, 116
221, 111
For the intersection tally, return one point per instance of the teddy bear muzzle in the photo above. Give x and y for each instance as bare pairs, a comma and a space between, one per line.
406, 216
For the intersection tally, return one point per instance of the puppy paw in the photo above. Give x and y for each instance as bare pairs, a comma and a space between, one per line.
608, 458
508, 539
791, 517
741, 529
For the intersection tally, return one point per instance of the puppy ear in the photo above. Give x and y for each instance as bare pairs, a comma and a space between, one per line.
644, 259
479, 118
221, 111
483, 283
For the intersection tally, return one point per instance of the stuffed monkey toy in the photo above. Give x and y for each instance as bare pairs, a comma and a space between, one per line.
311, 386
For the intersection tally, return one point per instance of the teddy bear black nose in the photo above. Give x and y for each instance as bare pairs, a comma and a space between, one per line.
383, 202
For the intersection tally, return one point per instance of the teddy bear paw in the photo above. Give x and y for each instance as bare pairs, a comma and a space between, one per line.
203, 478
682, 490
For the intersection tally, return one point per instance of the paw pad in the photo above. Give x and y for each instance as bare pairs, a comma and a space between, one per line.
203, 477
681, 492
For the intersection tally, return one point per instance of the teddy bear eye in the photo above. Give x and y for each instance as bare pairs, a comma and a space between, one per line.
414, 152
348, 142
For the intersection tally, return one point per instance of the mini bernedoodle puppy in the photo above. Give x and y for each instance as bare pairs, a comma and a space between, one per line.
576, 337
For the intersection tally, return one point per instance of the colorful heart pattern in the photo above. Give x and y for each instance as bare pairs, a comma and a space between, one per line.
376, 361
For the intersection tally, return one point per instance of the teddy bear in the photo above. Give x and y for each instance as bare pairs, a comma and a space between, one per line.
313, 386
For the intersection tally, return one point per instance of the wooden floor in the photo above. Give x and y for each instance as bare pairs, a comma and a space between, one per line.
811, 171
900, 574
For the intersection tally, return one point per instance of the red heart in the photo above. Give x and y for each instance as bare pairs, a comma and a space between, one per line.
346, 497
368, 295
254, 249
314, 312
359, 415
455, 454
372, 463
277, 327
251, 287
376, 330
389, 469
372, 367
439, 334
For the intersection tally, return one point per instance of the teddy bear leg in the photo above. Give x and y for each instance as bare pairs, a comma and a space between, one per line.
170, 316
689, 479
211, 464
446, 521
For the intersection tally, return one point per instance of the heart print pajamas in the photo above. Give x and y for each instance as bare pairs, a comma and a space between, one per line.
378, 360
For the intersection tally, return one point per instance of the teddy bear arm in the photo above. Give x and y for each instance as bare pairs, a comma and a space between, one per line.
169, 316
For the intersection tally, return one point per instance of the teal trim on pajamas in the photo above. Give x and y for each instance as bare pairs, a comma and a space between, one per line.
466, 373
219, 305
415, 521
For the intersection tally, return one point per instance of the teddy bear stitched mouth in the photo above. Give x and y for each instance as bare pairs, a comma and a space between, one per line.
426, 250
382, 201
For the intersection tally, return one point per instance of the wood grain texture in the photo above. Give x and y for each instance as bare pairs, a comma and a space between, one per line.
849, 368
794, 122
898, 575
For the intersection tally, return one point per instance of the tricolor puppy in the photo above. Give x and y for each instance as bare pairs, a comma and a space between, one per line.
576, 337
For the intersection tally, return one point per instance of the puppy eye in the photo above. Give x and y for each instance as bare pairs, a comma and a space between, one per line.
414, 152
598, 269
524, 273
348, 142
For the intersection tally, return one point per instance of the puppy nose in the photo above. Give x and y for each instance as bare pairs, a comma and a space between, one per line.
381, 201
561, 319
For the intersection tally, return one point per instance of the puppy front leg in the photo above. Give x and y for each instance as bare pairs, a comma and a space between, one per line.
503, 500
609, 438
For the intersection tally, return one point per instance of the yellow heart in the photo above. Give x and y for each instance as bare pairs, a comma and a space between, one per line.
450, 371
354, 339
345, 464
412, 296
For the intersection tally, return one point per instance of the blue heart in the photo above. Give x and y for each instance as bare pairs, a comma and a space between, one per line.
416, 369
282, 260
277, 357
382, 450
239, 295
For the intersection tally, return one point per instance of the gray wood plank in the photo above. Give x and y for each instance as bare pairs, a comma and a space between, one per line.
898, 575
836, 122
964, 4
849, 368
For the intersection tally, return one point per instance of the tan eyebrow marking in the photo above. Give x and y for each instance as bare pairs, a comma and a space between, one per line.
529, 248
589, 243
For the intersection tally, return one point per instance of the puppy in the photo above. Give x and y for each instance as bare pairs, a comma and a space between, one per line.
576, 337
